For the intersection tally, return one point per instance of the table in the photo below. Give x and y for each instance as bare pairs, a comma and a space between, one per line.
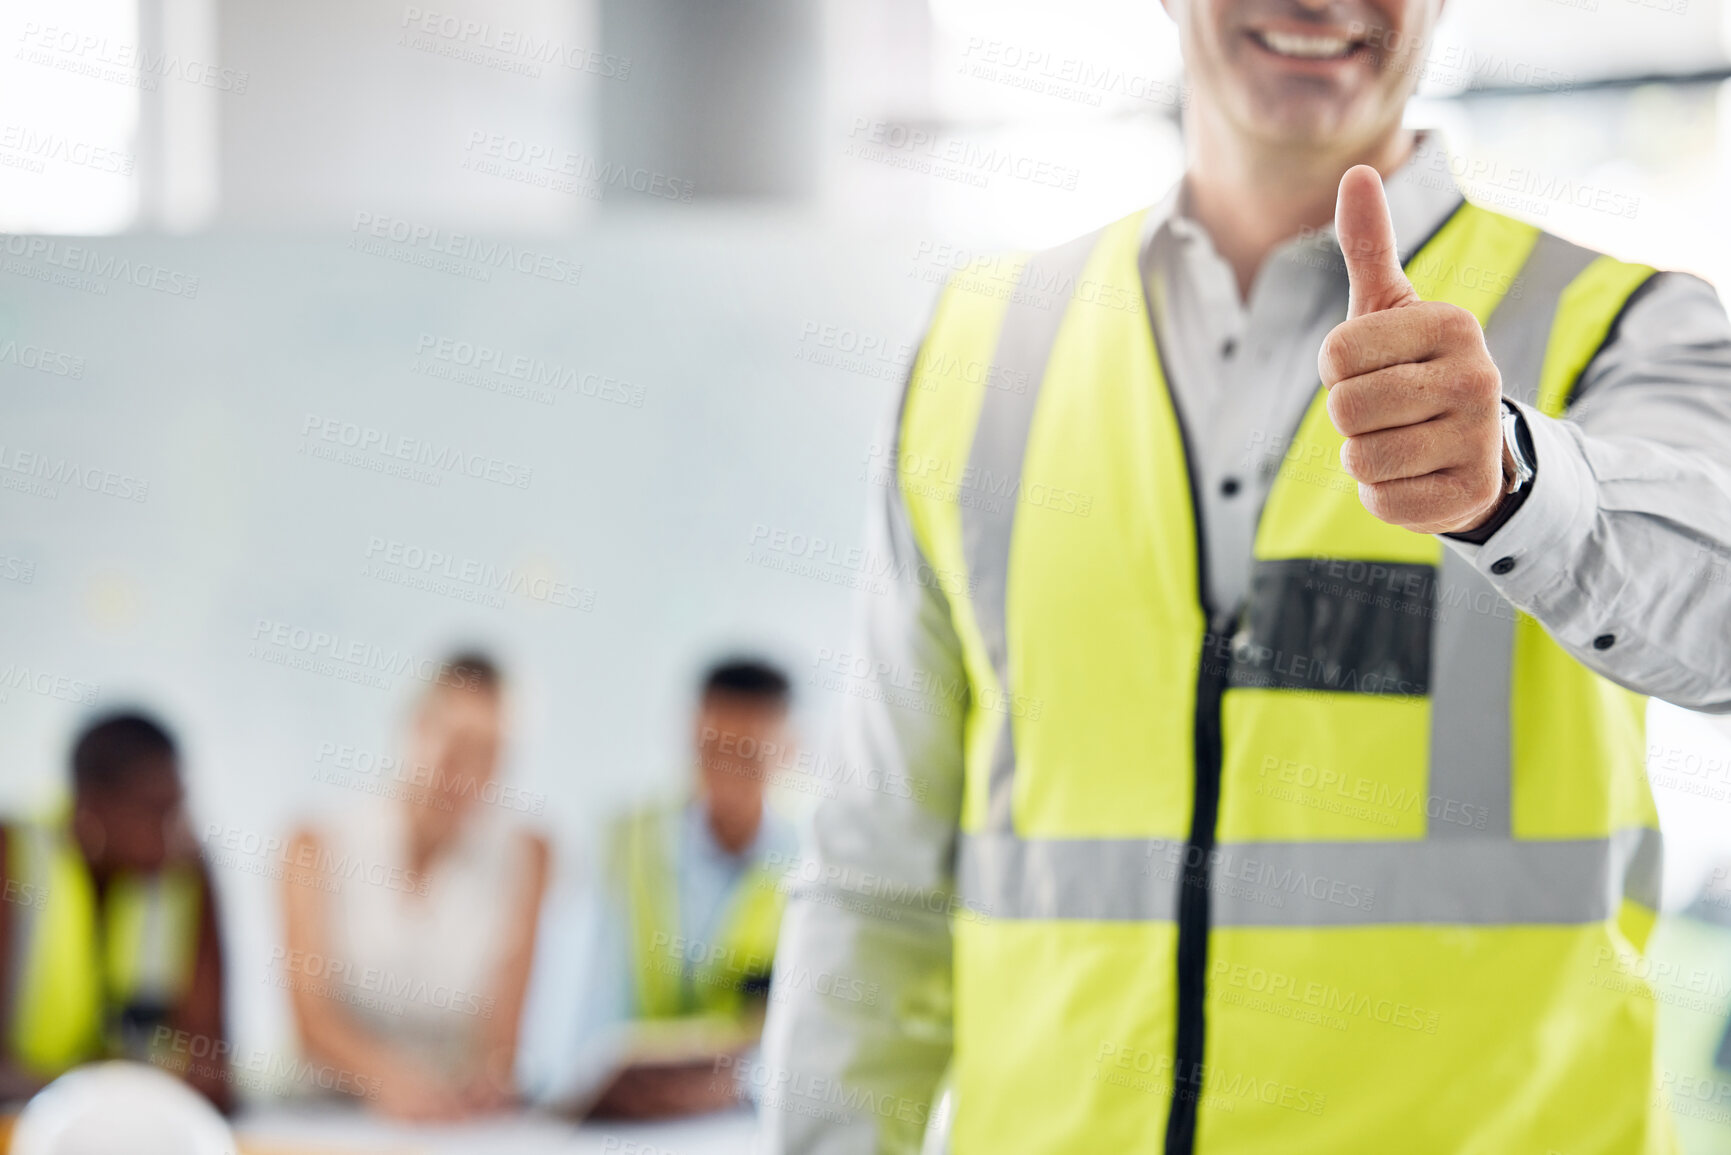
341, 1130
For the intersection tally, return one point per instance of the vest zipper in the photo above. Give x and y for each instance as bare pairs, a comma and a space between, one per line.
1195, 878
1213, 667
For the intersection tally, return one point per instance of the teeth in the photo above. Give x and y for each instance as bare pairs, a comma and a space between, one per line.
1306, 47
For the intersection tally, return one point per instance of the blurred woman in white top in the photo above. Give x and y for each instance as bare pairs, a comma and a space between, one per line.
412, 919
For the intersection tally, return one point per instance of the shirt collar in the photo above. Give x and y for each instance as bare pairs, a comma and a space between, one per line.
1421, 195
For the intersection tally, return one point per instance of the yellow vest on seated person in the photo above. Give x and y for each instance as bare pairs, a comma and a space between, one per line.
80, 974
672, 977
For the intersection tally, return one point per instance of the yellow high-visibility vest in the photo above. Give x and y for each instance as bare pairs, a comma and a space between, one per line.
674, 978
76, 969
1367, 867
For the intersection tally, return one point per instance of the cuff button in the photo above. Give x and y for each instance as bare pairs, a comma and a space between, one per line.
1604, 641
1502, 565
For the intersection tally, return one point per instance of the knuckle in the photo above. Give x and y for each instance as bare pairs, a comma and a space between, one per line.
1352, 457
1379, 501
1480, 379
1490, 484
1338, 350
1472, 384
1469, 489
1460, 324
1368, 458
1346, 409
1446, 324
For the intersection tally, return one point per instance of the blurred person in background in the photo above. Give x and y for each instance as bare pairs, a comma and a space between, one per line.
1331, 537
695, 907
412, 920
110, 944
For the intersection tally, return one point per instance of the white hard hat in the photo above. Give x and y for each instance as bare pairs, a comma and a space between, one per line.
120, 1109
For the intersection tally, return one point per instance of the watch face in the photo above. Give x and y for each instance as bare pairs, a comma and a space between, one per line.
1513, 452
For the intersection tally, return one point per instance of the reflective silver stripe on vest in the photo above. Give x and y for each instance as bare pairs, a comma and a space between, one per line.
1110, 879
1000, 444
1484, 881
1464, 873
1473, 661
1519, 330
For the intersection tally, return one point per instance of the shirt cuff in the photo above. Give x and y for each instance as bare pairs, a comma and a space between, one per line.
1535, 550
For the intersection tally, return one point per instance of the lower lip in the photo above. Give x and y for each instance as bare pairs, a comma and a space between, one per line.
1314, 64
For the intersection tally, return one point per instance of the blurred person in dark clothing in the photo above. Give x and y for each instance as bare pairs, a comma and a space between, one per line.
110, 944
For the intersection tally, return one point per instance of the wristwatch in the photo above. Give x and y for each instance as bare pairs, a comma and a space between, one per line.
1517, 451
1520, 464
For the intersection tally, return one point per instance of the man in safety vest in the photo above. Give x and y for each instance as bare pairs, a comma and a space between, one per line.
696, 889
1305, 553
109, 940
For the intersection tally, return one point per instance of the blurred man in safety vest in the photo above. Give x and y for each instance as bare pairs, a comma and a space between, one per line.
697, 904
109, 939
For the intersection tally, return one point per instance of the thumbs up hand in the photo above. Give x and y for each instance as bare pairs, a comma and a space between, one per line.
1410, 383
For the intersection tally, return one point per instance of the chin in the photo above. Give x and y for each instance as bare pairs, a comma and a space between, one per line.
1300, 118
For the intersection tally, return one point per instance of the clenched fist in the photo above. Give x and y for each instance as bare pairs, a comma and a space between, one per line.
1410, 383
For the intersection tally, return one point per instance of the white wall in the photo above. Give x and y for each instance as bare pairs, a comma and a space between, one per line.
373, 104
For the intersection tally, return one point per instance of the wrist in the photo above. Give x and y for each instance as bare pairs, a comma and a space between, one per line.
1519, 469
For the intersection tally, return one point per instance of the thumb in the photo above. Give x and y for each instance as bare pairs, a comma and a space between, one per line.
1366, 235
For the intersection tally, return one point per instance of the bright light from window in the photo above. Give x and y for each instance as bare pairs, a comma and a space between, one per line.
70, 86
1056, 118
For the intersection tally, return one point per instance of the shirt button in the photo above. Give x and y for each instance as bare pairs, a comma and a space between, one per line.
1604, 641
1502, 565
1228, 348
1229, 487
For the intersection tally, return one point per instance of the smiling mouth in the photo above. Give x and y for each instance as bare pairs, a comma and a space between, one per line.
1300, 46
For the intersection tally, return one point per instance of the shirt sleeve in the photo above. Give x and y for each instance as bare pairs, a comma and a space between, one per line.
581, 997
858, 1033
613, 991
1622, 548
